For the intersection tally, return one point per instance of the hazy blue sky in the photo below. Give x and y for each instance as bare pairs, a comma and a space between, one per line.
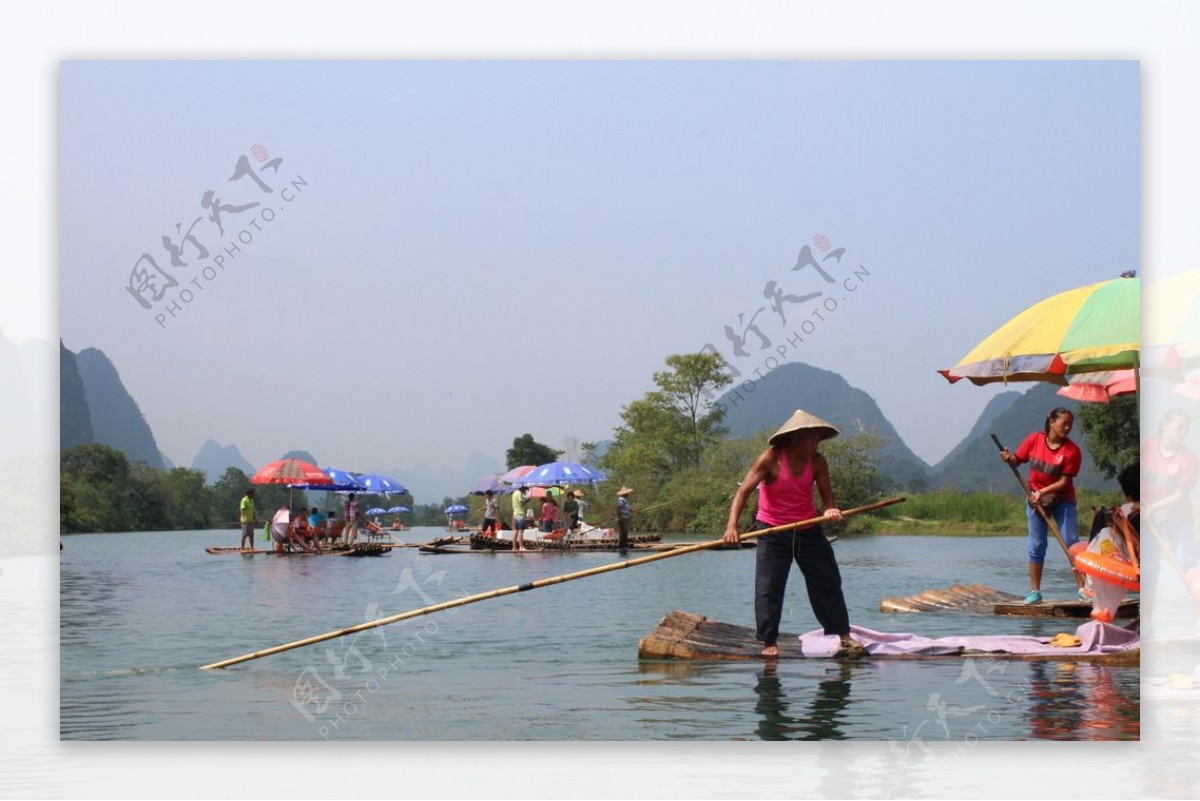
480, 249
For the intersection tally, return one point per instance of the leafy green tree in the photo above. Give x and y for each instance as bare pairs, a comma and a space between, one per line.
148, 507
226, 494
687, 387
853, 474
527, 450
98, 480
1110, 433
671, 428
187, 498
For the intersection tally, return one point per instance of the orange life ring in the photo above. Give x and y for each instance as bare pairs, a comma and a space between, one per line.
1110, 568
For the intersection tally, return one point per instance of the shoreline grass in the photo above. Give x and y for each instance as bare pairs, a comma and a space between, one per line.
950, 513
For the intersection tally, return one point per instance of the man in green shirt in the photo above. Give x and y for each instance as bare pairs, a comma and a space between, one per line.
571, 510
518, 504
248, 520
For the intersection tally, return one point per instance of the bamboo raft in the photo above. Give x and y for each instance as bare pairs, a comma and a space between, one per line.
686, 636
358, 549
482, 543
683, 635
984, 600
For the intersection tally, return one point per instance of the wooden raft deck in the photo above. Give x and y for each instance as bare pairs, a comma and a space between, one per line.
683, 635
687, 636
984, 600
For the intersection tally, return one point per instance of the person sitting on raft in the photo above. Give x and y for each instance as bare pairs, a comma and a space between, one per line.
281, 528
316, 526
299, 532
784, 475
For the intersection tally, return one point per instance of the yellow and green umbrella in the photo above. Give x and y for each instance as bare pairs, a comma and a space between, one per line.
1089, 329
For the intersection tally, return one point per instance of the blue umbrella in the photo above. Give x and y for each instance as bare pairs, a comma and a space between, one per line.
375, 510
380, 485
456, 509
396, 510
343, 482
329, 487
344, 478
557, 474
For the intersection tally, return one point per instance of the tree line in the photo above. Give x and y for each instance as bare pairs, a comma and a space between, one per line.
101, 490
671, 448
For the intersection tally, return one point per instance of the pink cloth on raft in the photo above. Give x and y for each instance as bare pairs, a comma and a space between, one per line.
1095, 638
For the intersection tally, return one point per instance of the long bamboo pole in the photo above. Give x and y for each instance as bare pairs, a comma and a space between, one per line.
484, 596
608, 523
1045, 516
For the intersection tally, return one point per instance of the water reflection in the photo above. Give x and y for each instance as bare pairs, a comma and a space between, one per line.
1073, 701
821, 718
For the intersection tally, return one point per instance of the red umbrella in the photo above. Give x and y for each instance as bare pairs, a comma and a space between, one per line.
512, 476
1099, 387
290, 471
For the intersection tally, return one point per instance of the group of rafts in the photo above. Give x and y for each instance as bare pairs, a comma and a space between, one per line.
1109, 563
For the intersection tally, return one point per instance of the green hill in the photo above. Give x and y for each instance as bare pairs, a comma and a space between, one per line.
826, 394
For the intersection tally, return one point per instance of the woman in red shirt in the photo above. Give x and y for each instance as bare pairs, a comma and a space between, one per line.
1054, 461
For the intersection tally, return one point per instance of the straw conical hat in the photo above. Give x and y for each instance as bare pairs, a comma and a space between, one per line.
800, 421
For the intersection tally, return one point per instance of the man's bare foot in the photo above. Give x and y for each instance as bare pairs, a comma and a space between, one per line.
770, 651
849, 649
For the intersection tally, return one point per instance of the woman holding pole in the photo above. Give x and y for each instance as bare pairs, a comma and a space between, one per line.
1054, 461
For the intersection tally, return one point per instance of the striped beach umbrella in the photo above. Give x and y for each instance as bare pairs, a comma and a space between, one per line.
1089, 329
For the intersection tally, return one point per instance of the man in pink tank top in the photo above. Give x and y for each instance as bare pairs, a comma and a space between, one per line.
785, 475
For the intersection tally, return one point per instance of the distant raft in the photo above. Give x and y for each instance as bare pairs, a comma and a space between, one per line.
977, 598
357, 549
984, 600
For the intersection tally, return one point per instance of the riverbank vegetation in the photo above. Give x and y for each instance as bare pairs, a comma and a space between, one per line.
100, 490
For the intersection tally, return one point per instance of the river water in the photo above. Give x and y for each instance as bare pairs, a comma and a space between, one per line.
140, 612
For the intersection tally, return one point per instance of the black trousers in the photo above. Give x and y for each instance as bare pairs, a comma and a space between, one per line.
622, 534
773, 562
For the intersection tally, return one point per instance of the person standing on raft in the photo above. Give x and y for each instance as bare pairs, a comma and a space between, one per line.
1054, 461
784, 475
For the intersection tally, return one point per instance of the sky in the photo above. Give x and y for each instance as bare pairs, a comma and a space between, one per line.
414, 261
41, 265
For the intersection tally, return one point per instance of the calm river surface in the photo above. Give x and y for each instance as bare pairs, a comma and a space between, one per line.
139, 612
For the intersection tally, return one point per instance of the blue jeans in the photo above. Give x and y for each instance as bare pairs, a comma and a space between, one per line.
1064, 515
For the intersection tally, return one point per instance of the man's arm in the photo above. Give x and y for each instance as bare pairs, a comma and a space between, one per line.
825, 488
759, 472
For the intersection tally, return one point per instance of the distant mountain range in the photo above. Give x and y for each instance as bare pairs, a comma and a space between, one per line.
116, 419
95, 407
214, 459
432, 485
973, 464
74, 417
